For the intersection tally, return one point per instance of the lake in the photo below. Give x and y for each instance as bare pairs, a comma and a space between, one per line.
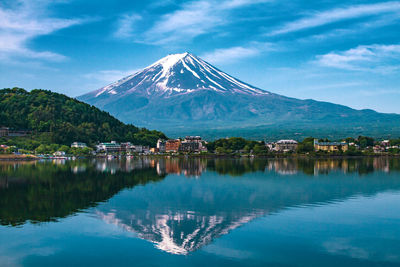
200, 212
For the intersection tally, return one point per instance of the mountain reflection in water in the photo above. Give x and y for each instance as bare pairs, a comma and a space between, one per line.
182, 204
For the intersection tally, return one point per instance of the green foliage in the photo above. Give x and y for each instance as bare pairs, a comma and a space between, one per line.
56, 118
306, 146
353, 151
364, 141
395, 142
234, 144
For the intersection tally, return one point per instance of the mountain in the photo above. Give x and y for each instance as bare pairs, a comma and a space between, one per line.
183, 94
57, 118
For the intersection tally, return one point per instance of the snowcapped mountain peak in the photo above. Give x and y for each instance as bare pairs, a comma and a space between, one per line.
178, 74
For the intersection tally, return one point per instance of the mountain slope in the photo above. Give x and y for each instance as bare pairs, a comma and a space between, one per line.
183, 94
66, 119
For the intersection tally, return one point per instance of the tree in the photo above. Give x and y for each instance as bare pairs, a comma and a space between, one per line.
364, 141
307, 145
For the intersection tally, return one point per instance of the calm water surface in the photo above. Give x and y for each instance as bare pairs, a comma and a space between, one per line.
198, 212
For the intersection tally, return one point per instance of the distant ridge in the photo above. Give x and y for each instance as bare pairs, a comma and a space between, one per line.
183, 94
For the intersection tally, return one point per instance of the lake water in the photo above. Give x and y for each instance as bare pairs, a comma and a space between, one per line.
199, 212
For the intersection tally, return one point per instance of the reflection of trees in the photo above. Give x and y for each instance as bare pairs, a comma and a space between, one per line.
45, 191
187, 166
236, 167
182, 215
289, 166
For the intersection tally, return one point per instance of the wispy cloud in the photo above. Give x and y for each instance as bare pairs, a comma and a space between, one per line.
231, 54
190, 20
109, 76
379, 92
339, 14
126, 25
25, 22
377, 58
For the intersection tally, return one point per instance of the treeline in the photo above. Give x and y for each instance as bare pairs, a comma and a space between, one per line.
236, 144
57, 119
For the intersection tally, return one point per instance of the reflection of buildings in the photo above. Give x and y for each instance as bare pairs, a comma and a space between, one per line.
125, 165
182, 215
284, 166
381, 164
188, 167
365, 165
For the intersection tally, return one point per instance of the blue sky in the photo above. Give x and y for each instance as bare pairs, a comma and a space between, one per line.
346, 52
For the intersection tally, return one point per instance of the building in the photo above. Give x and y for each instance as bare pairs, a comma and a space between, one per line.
161, 145
286, 146
78, 145
172, 145
154, 150
385, 143
130, 148
4, 131
330, 146
109, 147
59, 154
193, 144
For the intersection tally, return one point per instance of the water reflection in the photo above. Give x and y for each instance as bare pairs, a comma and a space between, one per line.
177, 214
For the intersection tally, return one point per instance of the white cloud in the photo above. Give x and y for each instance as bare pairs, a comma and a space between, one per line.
377, 58
193, 19
126, 25
338, 14
109, 76
231, 54
23, 23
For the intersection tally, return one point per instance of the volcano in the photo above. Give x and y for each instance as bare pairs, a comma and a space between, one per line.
183, 94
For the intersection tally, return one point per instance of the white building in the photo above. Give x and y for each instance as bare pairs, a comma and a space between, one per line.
286, 145
109, 147
78, 145
59, 154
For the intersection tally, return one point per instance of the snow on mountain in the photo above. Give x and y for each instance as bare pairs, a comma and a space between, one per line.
181, 94
178, 74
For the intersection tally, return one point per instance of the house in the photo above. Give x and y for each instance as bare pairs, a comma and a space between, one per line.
286, 146
3, 148
172, 145
109, 147
4, 131
330, 146
379, 149
385, 143
192, 144
78, 145
59, 154
161, 145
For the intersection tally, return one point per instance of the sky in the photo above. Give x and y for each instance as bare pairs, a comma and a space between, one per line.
345, 52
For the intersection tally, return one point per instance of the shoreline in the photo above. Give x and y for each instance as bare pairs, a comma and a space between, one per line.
5, 157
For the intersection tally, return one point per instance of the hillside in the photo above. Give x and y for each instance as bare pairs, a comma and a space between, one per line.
183, 94
64, 120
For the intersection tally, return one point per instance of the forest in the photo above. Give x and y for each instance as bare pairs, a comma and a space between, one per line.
55, 118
